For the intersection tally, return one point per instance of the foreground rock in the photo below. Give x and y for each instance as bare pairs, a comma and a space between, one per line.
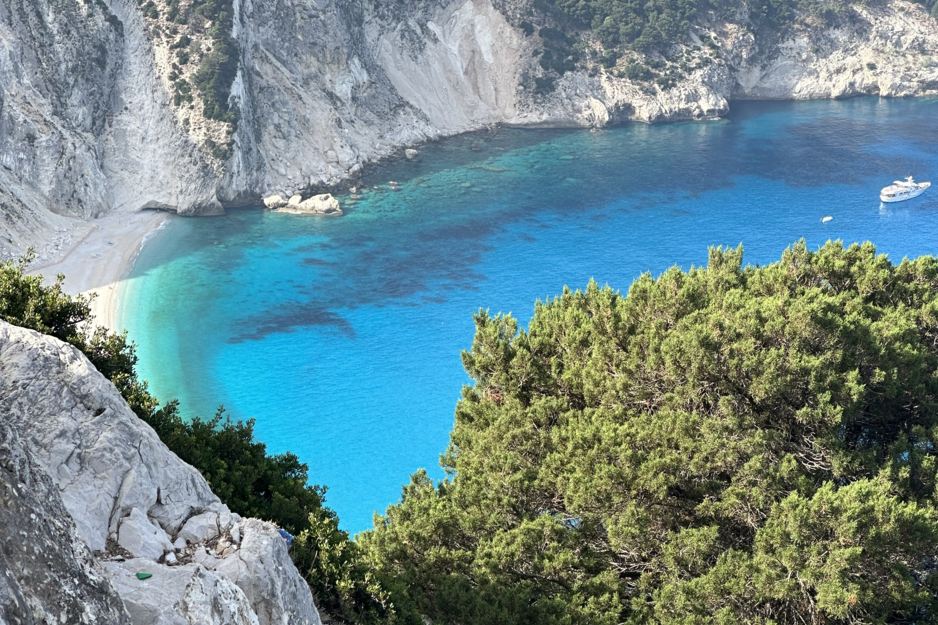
188, 592
47, 573
124, 492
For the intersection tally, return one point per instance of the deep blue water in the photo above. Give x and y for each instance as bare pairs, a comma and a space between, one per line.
342, 336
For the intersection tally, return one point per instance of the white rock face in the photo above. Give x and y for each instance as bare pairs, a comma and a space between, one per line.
105, 461
325, 86
263, 549
47, 573
200, 528
124, 488
140, 537
274, 201
323, 204
179, 595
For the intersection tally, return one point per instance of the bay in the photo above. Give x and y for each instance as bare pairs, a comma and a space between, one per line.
342, 336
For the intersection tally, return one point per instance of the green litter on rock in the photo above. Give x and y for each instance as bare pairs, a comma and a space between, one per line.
144, 575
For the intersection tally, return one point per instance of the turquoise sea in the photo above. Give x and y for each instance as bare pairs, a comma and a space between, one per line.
342, 336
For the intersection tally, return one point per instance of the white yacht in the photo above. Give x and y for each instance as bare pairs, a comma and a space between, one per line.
902, 190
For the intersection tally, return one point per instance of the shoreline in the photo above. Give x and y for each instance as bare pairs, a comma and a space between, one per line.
99, 262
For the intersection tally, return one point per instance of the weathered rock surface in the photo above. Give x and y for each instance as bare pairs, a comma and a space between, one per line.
200, 528
325, 85
47, 573
125, 490
177, 595
105, 461
274, 202
322, 204
141, 538
275, 599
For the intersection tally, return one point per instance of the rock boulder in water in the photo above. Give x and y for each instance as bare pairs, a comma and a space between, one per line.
323, 204
274, 201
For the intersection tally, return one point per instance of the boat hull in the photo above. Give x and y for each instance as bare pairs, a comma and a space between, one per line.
902, 197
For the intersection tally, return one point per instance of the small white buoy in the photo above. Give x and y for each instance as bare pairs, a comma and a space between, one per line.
824, 220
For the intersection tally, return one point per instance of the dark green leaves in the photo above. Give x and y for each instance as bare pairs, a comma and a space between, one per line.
731, 444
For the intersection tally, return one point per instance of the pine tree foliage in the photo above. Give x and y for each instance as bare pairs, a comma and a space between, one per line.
729, 444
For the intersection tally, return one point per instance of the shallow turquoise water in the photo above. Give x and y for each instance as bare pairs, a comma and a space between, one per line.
342, 336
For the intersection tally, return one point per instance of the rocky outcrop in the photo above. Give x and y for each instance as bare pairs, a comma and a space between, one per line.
889, 49
105, 461
47, 573
245, 554
179, 594
322, 204
128, 499
91, 119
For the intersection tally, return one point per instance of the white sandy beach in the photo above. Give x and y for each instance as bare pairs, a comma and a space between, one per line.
102, 259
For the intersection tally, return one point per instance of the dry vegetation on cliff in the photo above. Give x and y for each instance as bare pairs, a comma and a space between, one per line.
197, 58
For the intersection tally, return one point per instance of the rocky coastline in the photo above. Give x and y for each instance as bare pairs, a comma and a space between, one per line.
82, 138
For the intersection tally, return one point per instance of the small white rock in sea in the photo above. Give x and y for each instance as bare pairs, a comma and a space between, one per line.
824, 220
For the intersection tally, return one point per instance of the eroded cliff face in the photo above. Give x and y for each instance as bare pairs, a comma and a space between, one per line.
47, 573
98, 498
85, 125
91, 122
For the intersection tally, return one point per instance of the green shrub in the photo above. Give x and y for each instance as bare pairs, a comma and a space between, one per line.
238, 468
217, 69
340, 577
182, 92
543, 84
638, 72
658, 24
215, 76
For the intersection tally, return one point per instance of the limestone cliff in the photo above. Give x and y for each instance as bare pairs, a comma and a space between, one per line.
47, 573
99, 112
98, 499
